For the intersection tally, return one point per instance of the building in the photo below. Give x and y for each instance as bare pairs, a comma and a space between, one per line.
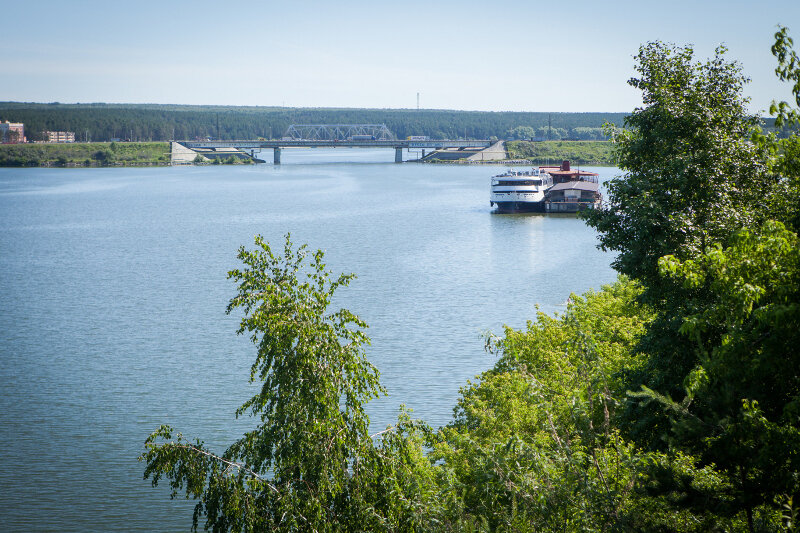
59, 136
12, 132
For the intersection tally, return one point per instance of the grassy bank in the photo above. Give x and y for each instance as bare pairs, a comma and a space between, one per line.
582, 152
85, 154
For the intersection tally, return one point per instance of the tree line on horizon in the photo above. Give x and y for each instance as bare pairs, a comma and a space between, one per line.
156, 122
101, 122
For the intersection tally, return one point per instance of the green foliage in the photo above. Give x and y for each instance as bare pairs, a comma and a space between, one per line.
309, 465
742, 406
785, 202
398, 484
691, 175
532, 446
292, 471
788, 69
594, 134
692, 179
718, 382
521, 132
104, 157
73, 154
579, 152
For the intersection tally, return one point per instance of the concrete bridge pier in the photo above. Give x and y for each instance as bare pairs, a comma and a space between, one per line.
398, 155
277, 155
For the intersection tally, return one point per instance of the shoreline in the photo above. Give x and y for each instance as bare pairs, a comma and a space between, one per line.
160, 154
99, 155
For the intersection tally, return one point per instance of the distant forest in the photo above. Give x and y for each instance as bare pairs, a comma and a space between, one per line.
149, 122
158, 122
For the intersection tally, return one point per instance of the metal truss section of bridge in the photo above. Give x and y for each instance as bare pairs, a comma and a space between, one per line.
338, 132
347, 135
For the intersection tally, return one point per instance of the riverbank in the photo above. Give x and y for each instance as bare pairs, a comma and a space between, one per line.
85, 154
114, 154
536, 153
130, 154
579, 152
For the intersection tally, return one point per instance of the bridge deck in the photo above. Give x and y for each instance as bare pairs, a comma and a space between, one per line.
251, 145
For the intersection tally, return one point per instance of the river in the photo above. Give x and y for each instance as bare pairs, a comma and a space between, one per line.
114, 287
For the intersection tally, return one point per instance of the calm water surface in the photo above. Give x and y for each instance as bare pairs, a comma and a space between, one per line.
113, 284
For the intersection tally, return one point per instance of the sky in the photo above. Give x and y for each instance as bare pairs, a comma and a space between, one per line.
570, 56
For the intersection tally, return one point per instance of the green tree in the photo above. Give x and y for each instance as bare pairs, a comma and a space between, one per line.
692, 176
294, 471
719, 382
692, 179
104, 156
741, 412
521, 132
785, 203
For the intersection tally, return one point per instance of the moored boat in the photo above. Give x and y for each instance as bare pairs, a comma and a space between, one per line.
520, 191
573, 190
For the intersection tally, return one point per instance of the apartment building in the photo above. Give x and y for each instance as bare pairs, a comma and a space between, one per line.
59, 136
12, 132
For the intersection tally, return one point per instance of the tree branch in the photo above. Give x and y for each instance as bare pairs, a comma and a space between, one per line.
229, 463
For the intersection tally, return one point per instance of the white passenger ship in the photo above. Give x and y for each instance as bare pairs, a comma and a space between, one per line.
520, 191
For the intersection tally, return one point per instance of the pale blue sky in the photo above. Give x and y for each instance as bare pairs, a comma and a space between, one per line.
496, 56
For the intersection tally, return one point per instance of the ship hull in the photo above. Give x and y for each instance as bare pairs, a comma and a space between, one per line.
570, 207
520, 207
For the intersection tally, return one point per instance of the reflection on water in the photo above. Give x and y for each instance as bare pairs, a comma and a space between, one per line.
114, 285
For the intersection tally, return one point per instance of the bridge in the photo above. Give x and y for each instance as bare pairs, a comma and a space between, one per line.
338, 136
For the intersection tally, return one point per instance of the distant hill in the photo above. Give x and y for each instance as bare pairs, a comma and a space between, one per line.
159, 122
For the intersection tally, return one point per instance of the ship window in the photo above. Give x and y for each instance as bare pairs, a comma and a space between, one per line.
518, 183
